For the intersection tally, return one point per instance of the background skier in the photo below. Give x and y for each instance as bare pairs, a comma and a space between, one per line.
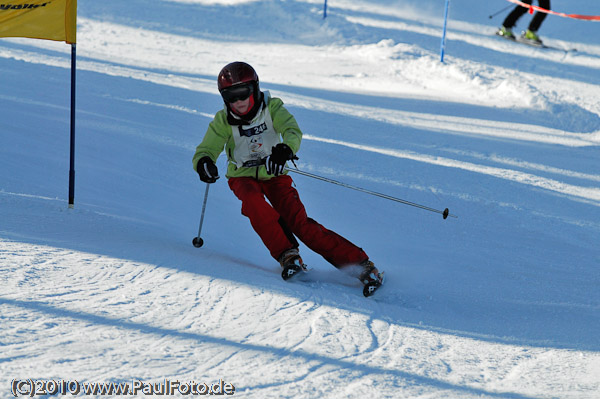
531, 33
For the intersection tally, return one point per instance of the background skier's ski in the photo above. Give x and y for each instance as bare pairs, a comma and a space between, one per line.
532, 43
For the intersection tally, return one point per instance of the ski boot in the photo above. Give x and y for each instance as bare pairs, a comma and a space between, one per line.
506, 33
531, 37
292, 263
370, 277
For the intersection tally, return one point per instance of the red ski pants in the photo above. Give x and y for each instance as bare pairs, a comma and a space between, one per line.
273, 222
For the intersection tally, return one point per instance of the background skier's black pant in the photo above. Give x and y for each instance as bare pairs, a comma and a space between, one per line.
518, 12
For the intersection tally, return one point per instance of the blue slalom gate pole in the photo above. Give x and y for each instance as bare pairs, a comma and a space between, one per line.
325, 10
72, 141
442, 49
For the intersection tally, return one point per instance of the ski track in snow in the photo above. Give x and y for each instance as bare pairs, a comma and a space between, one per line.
499, 303
589, 193
158, 326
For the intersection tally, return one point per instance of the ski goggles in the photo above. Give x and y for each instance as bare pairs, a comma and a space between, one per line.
236, 93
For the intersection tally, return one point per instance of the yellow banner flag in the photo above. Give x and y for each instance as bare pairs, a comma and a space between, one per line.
39, 19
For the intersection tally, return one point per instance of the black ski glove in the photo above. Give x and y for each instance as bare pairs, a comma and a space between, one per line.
207, 170
279, 155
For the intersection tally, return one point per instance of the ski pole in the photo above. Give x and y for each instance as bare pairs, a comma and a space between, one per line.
197, 241
445, 213
504, 9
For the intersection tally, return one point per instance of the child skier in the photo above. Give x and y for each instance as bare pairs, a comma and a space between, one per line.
259, 135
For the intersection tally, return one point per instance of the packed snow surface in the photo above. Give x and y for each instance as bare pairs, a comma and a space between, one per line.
502, 301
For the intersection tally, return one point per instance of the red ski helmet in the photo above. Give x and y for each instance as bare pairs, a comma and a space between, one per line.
238, 81
237, 73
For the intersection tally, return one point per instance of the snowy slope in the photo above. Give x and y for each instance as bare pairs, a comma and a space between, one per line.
502, 302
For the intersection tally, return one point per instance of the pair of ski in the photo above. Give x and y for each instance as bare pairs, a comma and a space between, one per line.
532, 43
292, 272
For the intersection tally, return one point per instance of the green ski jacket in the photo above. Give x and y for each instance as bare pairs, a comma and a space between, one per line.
247, 145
